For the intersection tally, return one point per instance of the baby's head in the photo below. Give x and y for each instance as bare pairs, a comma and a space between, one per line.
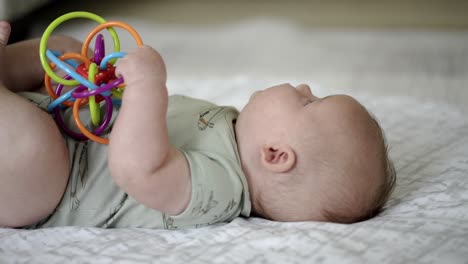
312, 159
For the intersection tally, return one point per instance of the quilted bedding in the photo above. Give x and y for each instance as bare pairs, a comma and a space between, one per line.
425, 221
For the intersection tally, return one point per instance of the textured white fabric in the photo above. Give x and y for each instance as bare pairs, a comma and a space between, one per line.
426, 220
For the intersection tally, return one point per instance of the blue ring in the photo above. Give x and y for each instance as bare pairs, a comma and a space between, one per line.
109, 57
59, 100
74, 75
70, 62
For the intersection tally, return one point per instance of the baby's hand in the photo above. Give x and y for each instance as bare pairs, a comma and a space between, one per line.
142, 65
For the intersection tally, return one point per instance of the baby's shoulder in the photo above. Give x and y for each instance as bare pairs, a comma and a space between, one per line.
206, 113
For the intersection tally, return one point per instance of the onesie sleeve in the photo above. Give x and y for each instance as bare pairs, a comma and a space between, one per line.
217, 191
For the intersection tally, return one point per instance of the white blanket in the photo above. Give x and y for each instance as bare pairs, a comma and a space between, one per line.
426, 220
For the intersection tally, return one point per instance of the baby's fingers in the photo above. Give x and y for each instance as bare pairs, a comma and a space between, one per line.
5, 30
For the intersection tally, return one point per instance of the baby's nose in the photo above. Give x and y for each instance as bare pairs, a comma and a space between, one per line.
305, 90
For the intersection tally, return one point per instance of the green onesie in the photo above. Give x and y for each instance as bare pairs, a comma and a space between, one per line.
202, 131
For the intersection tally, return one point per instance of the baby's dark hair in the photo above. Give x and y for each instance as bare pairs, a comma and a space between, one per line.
381, 195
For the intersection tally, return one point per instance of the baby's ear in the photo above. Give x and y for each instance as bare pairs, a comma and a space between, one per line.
278, 158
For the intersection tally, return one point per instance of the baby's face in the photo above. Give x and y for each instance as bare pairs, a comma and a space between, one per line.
287, 108
330, 136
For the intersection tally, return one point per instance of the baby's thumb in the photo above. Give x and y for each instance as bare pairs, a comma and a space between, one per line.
118, 69
5, 30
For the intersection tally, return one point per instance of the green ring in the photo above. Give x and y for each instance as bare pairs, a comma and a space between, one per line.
93, 106
55, 24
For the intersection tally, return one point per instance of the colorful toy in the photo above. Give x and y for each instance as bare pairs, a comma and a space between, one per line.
93, 80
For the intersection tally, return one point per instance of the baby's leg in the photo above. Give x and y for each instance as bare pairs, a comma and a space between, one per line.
24, 72
34, 161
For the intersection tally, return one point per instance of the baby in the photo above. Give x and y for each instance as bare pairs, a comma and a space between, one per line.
176, 161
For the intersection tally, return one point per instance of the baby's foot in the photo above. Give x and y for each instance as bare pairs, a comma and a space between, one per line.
4, 36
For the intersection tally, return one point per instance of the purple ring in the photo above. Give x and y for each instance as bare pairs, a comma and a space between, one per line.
85, 93
99, 49
78, 136
59, 118
97, 131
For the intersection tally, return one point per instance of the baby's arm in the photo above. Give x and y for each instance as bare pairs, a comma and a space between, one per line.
141, 159
23, 69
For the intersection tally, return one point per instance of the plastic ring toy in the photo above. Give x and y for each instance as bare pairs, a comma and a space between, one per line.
110, 24
47, 81
92, 80
82, 127
53, 26
73, 134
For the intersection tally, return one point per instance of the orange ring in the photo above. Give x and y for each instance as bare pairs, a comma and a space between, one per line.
82, 128
131, 30
47, 79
